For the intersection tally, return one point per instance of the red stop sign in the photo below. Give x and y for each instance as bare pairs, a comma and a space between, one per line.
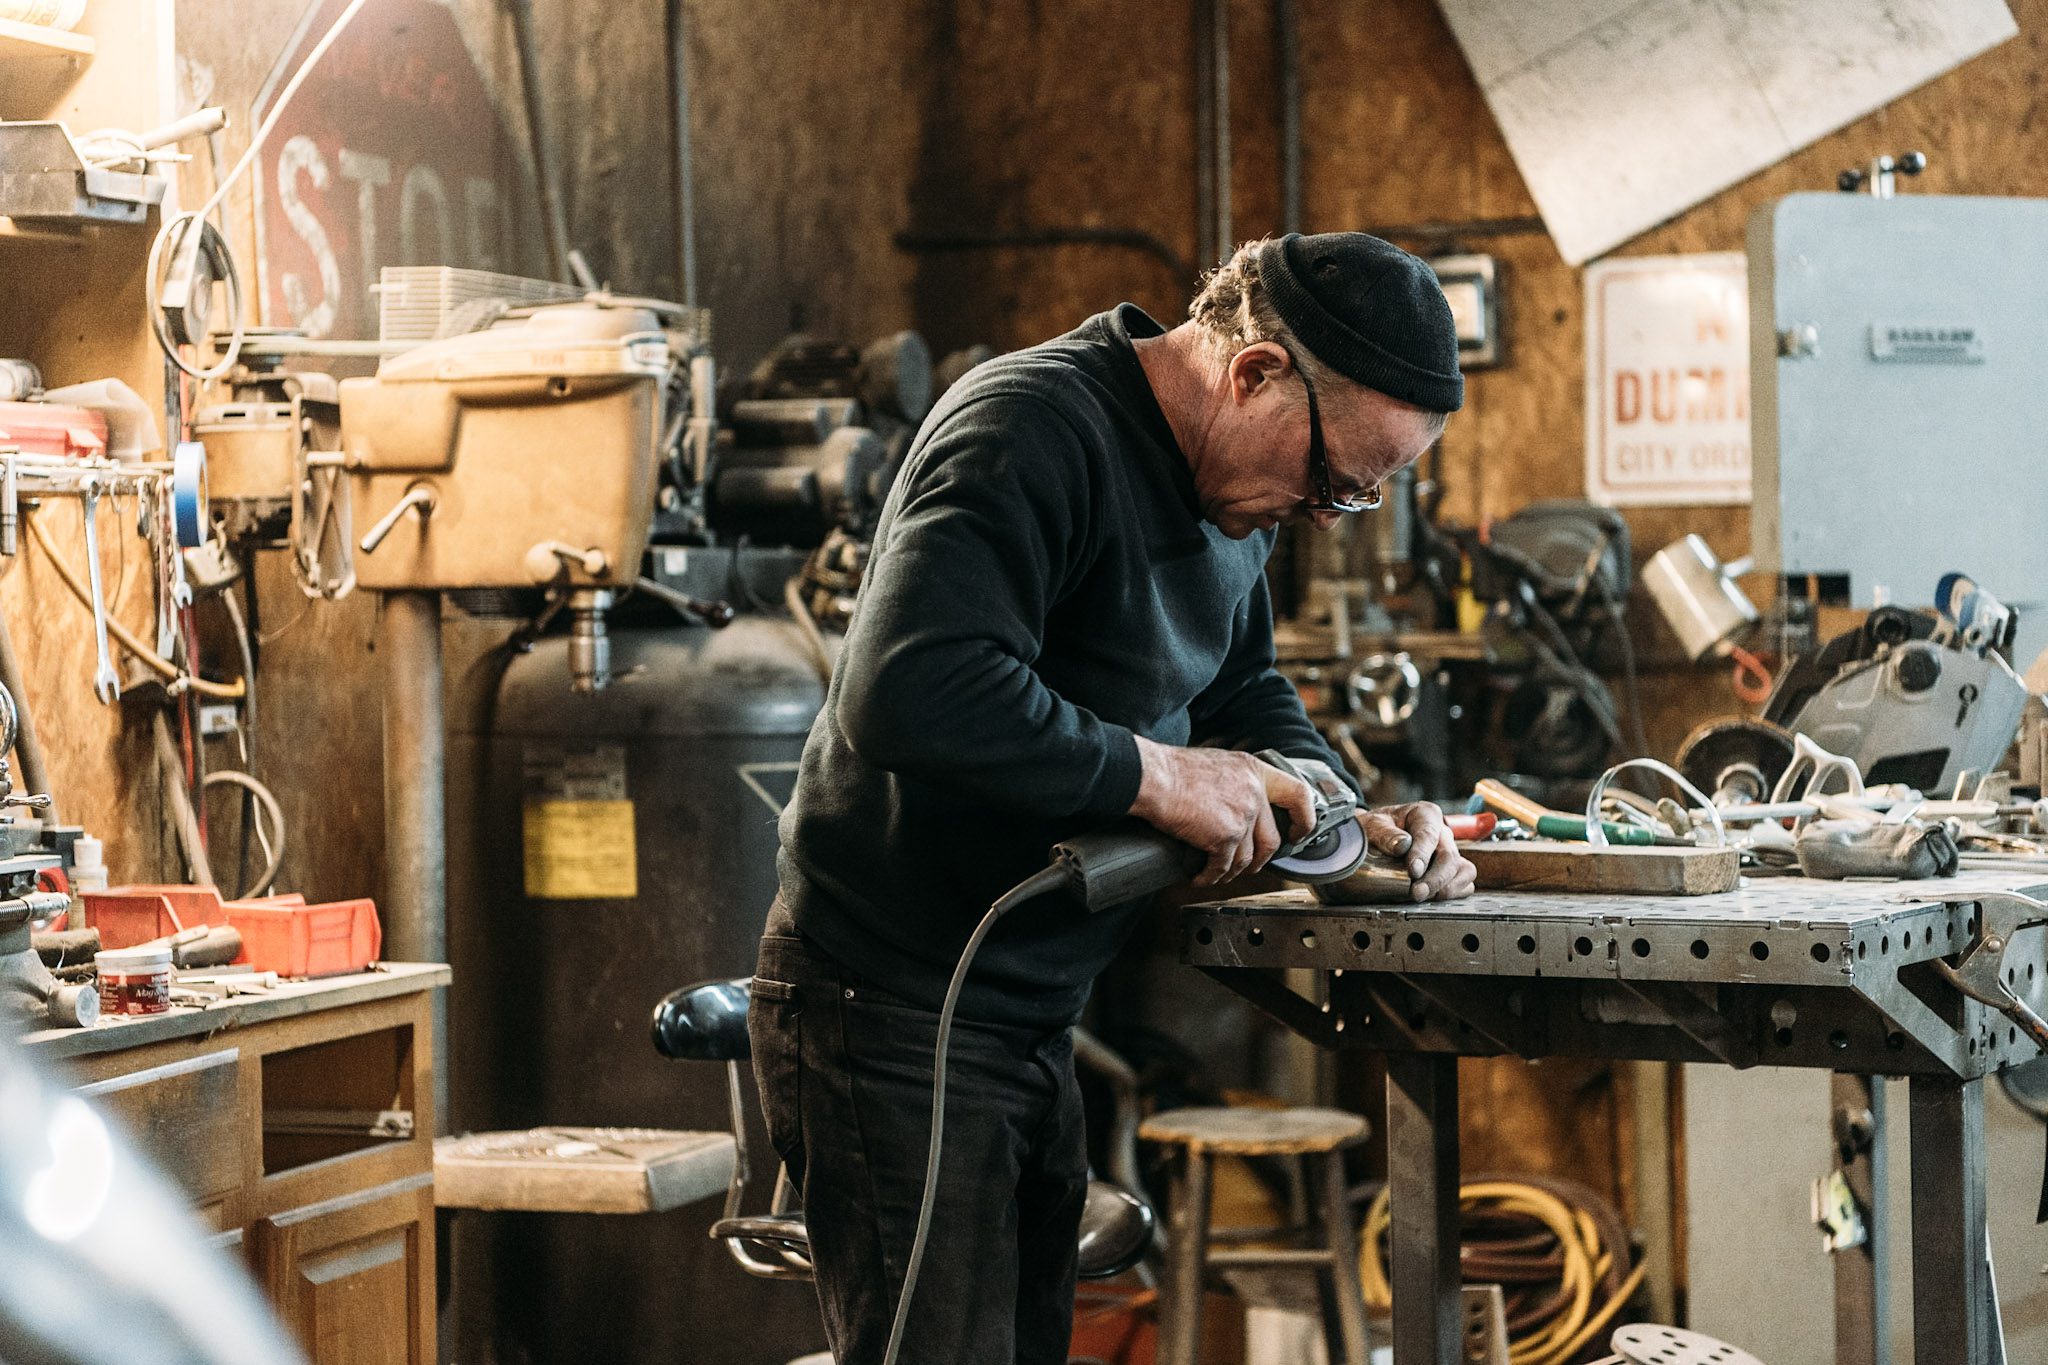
391, 153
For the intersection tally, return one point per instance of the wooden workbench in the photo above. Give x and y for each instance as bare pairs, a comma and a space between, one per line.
301, 1124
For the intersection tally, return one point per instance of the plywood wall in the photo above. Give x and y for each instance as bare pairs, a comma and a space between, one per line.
1082, 114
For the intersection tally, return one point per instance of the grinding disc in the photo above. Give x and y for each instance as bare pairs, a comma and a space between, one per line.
1332, 857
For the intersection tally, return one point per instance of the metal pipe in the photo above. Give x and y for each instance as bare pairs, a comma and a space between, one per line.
1092, 1054
415, 820
183, 817
703, 416
1287, 37
553, 219
684, 187
975, 240
1220, 50
1205, 133
28, 749
1446, 229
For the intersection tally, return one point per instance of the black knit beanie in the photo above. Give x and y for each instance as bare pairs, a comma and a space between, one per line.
1369, 311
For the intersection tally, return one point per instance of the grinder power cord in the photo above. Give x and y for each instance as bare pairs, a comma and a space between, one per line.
1114, 868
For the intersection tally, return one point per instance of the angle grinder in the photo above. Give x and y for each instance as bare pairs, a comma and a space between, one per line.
1118, 866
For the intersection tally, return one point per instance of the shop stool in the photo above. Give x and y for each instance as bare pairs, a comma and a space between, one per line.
1301, 1134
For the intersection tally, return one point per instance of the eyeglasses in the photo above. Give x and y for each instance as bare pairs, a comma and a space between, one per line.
1322, 497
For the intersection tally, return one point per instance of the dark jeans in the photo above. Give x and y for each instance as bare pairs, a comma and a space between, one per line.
845, 1072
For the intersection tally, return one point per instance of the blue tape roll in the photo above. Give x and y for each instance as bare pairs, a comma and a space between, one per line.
188, 494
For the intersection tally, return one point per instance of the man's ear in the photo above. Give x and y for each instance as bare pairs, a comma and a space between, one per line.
1256, 366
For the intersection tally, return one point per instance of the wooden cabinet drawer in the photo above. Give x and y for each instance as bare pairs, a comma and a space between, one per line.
352, 1276
187, 1117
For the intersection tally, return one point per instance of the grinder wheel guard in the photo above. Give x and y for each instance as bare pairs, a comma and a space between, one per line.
1330, 856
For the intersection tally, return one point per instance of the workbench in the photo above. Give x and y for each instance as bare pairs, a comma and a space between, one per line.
1782, 971
300, 1124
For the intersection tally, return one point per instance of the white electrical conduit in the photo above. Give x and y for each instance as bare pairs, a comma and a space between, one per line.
267, 801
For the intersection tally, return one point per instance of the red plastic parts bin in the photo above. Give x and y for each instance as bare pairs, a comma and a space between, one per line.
285, 935
53, 429
280, 934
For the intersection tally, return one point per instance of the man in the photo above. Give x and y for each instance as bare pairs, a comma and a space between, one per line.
1067, 591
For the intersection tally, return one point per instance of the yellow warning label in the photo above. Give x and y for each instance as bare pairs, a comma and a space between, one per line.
580, 850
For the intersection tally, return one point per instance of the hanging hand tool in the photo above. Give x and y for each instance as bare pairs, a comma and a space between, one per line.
106, 683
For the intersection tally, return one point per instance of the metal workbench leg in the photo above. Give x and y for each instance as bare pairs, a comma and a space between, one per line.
1422, 1185
1862, 1334
1954, 1322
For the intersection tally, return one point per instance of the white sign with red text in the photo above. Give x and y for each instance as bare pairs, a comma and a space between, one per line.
1667, 380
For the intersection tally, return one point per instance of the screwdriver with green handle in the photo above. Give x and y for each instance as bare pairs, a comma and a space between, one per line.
1573, 827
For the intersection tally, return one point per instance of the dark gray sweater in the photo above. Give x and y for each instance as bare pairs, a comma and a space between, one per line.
1042, 589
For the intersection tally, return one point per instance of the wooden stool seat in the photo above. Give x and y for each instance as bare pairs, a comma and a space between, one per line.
1256, 1132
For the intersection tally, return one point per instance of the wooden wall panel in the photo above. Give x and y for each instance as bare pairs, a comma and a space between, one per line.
1083, 113
1052, 116
61, 306
805, 121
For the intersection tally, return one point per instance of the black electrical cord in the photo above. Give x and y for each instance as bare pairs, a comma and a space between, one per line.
1628, 666
1051, 878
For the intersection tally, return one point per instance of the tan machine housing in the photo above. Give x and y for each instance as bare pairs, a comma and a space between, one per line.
522, 455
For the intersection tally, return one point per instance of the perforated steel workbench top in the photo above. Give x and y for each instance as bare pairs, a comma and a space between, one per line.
1782, 970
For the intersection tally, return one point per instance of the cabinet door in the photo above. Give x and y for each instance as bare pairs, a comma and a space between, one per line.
353, 1276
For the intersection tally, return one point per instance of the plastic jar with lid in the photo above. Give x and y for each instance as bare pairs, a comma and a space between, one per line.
134, 980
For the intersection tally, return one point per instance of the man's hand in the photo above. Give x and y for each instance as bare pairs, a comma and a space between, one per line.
1221, 801
1439, 872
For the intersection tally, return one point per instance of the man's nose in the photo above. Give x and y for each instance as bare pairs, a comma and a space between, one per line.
1323, 521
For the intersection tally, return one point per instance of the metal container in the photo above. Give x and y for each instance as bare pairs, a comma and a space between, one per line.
605, 848
1698, 596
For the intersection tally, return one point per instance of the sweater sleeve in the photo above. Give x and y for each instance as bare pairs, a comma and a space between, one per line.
936, 680
1250, 705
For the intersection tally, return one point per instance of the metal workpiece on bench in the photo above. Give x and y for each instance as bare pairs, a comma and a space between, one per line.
1836, 975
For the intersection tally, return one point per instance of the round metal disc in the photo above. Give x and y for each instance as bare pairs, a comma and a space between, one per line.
1715, 748
1331, 858
1645, 1343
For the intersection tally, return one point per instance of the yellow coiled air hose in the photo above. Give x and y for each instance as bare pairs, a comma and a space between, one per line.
1587, 1295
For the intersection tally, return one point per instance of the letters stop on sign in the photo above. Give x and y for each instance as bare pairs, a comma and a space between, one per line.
391, 153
